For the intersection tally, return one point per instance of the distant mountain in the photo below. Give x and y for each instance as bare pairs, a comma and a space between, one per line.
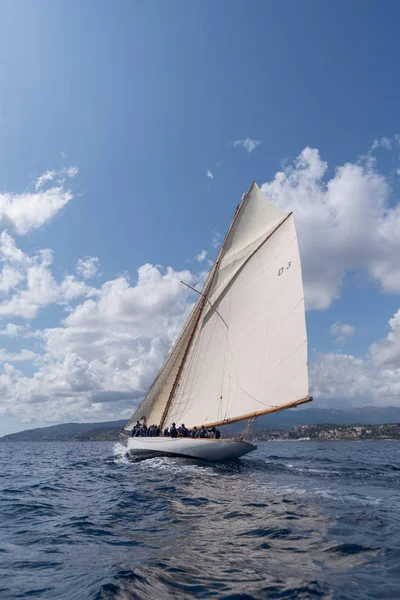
307, 415
65, 432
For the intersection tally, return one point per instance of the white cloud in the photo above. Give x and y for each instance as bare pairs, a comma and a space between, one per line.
386, 352
374, 379
59, 175
345, 224
341, 331
216, 239
27, 283
209, 174
47, 176
23, 355
10, 278
30, 210
12, 330
87, 267
339, 380
105, 355
69, 171
201, 256
248, 144
383, 142
20, 331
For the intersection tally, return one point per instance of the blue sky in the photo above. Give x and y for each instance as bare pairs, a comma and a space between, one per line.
142, 98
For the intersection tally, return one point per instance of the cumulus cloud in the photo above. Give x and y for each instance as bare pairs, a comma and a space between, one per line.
209, 174
373, 379
30, 282
30, 210
87, 267
339, 380
23, 355
345, 224
386, 352
341, 331
248, 144
12, 330
103, 357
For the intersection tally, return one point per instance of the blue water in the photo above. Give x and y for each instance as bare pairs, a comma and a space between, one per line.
292, 520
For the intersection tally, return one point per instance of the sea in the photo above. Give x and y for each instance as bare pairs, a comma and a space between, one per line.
293, 520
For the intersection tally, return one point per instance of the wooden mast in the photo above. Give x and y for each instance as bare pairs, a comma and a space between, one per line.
204, 293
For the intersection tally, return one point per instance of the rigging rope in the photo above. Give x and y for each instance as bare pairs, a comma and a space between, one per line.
247, 428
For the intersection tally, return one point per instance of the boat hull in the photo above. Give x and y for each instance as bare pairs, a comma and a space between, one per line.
205, 449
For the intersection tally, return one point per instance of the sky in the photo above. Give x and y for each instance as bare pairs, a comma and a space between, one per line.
128, 134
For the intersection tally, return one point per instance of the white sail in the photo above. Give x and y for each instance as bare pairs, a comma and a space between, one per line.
249, 350
243, 350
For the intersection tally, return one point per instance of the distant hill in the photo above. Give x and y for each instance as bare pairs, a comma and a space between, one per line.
66, 432
307, 415
310, 415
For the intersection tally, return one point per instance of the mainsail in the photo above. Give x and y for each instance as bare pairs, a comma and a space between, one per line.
243, 350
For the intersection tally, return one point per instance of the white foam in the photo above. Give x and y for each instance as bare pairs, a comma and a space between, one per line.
175, 466
121, 454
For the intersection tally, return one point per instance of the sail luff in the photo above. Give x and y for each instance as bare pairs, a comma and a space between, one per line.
258, 413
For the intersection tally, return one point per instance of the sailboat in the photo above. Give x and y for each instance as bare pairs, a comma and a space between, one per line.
242, 352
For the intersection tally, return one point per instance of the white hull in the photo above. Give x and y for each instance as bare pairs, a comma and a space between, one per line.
206, 449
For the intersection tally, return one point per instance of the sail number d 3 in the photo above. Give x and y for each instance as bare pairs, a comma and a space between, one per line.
284, 268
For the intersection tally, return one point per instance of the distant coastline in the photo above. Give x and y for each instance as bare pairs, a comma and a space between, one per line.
331, 433
109, 432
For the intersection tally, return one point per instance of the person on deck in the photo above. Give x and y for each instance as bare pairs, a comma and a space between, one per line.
158, 431
173, 432
194, 433
203, 432
214, 433
183, 431
166, 432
